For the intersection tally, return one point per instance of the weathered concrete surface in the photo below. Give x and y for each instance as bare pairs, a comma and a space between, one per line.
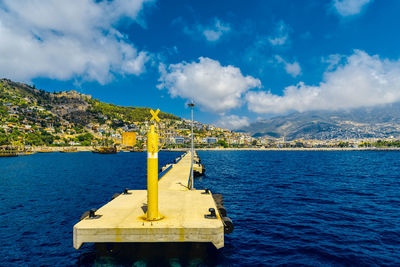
183, 210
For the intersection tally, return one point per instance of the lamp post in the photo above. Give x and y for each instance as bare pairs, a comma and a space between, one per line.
191, 105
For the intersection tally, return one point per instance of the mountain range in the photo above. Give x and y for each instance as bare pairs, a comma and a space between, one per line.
381, 121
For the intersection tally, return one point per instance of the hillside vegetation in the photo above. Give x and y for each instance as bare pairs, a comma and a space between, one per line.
72, 106
37, 117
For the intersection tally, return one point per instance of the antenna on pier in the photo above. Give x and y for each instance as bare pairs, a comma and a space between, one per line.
191, 105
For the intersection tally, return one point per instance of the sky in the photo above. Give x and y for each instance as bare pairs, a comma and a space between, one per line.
239, 61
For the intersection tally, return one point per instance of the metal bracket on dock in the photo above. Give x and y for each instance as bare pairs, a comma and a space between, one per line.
206, 191
93, 215
126, 192
212, 214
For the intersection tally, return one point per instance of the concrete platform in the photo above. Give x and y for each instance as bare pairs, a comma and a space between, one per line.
123, 219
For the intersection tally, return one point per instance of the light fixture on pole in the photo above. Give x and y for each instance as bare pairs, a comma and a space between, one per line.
191, 105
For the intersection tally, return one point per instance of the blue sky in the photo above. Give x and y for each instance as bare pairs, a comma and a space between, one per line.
240, 61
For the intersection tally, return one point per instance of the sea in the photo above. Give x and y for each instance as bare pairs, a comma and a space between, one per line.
295, 208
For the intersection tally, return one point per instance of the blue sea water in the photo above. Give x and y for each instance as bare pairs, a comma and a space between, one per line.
288, 207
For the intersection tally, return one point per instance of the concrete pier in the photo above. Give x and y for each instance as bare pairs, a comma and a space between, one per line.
185, 215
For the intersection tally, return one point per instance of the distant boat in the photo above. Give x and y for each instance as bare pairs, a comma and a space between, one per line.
131, 149
25, 151
105, 150
69, 150
8, 151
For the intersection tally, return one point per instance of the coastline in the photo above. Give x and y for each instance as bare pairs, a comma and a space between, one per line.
62, 148
294, 149
89, 148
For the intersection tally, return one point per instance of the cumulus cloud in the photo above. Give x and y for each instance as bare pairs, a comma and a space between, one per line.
233, 122
349, 7
211, 33
281, 34
293, 69
61, 39
214, 87
362, 80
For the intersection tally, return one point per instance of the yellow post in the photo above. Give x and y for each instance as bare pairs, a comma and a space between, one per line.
152, 174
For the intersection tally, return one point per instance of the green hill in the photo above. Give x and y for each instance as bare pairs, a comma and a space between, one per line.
36, 116
72, 106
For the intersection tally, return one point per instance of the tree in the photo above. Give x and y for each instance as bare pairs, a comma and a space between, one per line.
3, 110
222, 143
85, 139
3, 139
344, 144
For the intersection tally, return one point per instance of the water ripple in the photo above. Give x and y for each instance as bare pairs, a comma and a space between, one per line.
289, 208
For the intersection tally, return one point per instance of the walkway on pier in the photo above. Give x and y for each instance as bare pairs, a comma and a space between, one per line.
178, 176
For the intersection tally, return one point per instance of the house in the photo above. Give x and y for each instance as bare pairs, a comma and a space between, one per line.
179, 140
211, 140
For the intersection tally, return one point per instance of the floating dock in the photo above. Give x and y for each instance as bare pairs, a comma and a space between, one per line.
185, 215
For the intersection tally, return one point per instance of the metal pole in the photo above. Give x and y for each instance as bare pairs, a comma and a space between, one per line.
152, 175
191, 105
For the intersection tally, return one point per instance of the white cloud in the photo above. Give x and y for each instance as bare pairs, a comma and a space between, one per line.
214, 87
281, 34
349, 7
333, 60
363, 80
211, 33
293, 69
63, 39
233, 122
214, 33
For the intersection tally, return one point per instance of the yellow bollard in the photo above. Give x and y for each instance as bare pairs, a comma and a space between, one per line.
152, 175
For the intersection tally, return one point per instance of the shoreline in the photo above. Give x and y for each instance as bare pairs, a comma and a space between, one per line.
62, 148
89, 149
294, 149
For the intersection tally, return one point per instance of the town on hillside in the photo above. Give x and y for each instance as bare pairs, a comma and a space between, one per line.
32, 117
35, 118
